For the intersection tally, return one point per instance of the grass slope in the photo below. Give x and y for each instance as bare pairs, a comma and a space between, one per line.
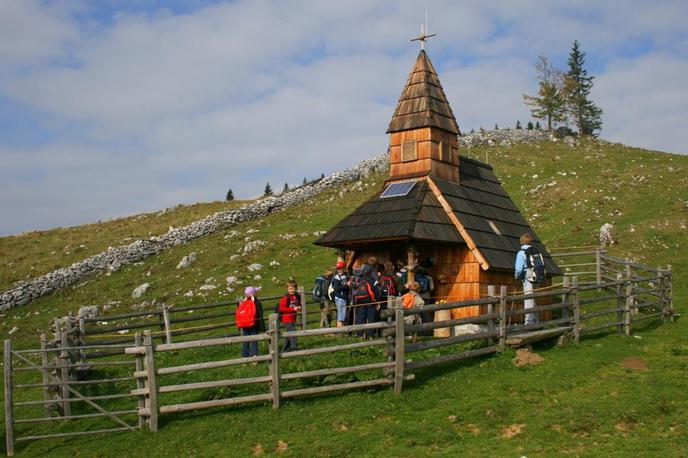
580, 402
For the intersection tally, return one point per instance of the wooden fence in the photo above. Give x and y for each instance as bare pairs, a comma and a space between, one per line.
147, 379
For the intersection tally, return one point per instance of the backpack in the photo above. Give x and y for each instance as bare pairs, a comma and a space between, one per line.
388, 287
342, 289
535, 266
362, 292
246, 314
319, 289
424, 283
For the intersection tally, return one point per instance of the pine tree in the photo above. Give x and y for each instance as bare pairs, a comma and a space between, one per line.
537, 125
285, 188
518, 124
322, 176
230, 195
268, 190
496, 127
472, 131
304, 181
529, 126
586, 115
550, 101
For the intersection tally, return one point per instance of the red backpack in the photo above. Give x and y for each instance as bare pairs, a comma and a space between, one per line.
388, 286
246, 314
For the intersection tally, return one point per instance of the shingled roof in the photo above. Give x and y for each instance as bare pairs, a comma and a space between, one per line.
422, 102
486, 215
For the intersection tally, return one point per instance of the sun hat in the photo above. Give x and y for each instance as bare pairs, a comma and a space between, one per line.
251, 290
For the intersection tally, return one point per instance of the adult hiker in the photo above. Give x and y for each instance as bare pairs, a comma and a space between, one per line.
526, 270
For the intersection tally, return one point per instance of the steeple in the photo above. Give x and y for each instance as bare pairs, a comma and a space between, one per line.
423, 130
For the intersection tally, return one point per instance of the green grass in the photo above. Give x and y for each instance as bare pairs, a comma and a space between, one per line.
580, 402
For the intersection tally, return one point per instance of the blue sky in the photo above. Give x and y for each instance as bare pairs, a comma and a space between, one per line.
109, 108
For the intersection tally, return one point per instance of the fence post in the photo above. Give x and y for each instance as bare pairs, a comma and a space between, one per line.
576, 310
399, 349
166, 320
140, 382
660, 291
619, 305
565, 298
273, 330
9, 419
45, 373
82, 339
598, 265
391, 305
64, 373
304, 313
629, 306
491, 293
152, 381
502, 317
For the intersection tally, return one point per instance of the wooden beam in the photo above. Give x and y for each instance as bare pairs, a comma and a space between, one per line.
459, 227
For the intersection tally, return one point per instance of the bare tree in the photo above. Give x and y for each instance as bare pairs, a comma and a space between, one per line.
550, 102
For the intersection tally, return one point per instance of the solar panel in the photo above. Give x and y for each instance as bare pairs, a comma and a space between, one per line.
398, 189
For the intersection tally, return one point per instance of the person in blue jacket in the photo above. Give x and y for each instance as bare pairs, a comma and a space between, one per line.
521, 272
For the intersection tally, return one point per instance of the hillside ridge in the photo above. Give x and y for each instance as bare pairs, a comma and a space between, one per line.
115, 257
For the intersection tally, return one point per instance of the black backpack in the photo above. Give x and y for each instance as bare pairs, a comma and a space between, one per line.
362, 292
536, 264
319, 289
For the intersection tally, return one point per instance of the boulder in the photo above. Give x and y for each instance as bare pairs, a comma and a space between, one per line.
140, 290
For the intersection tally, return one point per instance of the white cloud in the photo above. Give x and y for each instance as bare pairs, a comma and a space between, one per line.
149, 109
644, 102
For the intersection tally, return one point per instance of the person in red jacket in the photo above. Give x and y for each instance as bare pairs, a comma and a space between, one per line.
288, 306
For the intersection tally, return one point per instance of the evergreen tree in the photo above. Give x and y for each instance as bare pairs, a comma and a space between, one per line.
529, 126
322, 176
537, 125
285, 188
518, 124
496, 127
550, 101
472, 131
305, 181
230, 195
586, 115
268, 190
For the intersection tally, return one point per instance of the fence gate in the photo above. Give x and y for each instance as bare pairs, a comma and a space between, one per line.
45, 387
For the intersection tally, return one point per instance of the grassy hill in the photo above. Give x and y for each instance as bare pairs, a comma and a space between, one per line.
580, 402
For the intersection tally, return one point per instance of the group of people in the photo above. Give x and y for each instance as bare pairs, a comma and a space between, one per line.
358, 296
250, 319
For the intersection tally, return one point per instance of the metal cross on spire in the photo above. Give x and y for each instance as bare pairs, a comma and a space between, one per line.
423, 31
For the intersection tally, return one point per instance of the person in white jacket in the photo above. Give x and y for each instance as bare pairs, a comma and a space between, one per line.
521, 273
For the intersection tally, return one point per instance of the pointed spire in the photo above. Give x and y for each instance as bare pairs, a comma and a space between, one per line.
422, 102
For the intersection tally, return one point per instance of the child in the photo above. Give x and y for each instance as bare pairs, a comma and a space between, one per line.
412, 299
288, 306
251, 301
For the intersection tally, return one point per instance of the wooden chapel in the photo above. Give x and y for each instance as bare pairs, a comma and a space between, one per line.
437, 207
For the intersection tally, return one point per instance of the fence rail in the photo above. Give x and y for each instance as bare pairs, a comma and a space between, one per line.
148, 375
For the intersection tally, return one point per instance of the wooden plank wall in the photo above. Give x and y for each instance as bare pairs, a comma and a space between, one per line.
427, 153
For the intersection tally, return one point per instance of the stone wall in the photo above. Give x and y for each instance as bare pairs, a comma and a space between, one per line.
114, 258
